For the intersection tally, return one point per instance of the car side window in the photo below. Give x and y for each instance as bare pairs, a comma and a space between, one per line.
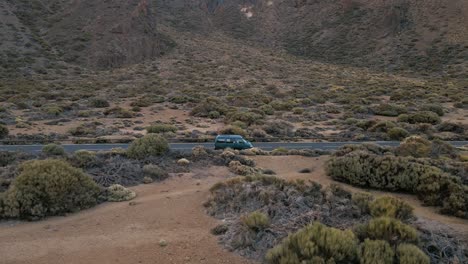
221, 140
228, 140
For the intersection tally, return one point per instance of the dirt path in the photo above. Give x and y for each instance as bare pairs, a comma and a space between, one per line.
288, 167
124, 233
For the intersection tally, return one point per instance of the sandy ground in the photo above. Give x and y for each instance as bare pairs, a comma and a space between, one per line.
124, 233
288, 167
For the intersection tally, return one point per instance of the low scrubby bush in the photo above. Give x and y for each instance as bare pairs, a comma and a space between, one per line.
451, 127
375, 252
389, 110
3, 131
256, 221
362, 200
49, 187
397, 133
420, 117
389, 206
155, 172
208, 107
149, 145
83, 159
405, 174
161, 128
315, 242
99, 103
438, 109
411, 254
53, 150
233, 130
414, 146
389, 229
279, 128
118, 193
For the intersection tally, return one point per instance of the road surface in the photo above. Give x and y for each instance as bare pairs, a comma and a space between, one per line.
189, 146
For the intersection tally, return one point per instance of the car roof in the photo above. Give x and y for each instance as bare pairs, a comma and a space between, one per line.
229, 136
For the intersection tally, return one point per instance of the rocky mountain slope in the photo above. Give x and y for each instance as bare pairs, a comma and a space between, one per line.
400, 35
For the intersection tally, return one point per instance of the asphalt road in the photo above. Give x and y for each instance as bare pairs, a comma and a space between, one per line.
189, 146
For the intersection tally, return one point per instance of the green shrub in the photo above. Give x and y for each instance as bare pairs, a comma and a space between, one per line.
438, 109
142, 102
118, 193
397, 133
411, 254
119, 112
389, 110
53, 150
256, 221
214, 115
267, 109
83, 159
388, 229
52, 110
279, 128
389, 206
210, 105
362, 200
283, 105
451, 127
315, 242
149, 145
387, 172
247, 117
155, 172
420, 117
49, 187
233, 130
415, 146
99, 103
161, 128
457, 201
382, 126
375, 252
3, 131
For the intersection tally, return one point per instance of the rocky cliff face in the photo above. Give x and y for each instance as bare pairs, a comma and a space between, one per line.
424, 36
385, 34
95, 34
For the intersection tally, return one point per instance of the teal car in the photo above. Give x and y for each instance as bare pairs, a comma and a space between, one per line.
232, 141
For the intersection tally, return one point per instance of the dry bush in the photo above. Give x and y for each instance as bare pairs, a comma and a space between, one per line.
99, 103
161, 128
389, 206
391, 173
3, 131
315, 242
389, 110
397, 133
411, 254
375, 252
53, 150
155, 172
420, 117
362, 201
415, 146
388, 229
256, 221
83, 159
149, 145
49, 187
118, 193
237, 168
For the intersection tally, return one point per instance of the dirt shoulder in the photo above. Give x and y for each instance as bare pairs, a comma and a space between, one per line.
124, 233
